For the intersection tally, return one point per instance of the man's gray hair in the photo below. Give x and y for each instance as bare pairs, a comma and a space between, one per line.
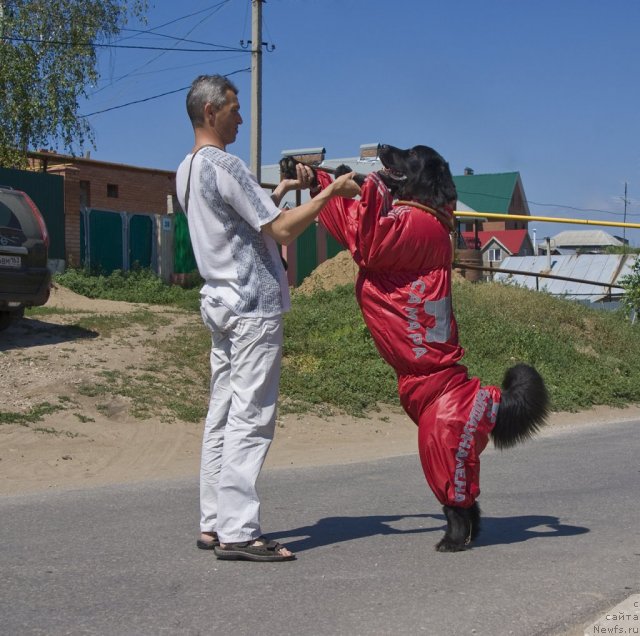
207, 89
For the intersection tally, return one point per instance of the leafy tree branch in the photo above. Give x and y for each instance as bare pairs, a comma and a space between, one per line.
47, 62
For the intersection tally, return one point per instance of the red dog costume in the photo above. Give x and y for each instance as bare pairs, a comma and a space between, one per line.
404, 291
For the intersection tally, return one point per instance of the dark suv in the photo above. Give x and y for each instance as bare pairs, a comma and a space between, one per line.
25, 279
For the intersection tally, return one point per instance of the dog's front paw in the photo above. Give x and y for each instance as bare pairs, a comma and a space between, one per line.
288, 168
288, 171
343, 168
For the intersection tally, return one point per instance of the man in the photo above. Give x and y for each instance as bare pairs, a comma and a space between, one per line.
234, 227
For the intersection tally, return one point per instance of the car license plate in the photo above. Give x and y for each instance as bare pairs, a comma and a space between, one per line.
10, 261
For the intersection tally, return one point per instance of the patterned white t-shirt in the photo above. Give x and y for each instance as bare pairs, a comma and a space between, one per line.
227, 208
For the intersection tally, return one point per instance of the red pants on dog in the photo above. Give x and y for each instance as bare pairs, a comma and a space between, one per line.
404, 292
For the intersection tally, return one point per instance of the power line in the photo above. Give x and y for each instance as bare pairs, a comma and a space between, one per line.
213, 10
550, 205
210, 11
160, 70
122, 46
148, 99
175, 37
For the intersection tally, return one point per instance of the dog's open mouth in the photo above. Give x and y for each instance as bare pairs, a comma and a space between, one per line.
396, 175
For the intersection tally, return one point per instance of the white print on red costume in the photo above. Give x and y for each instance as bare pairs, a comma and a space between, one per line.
483, 401
439, 310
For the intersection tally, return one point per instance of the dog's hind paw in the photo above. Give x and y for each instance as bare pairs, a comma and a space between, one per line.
447, 545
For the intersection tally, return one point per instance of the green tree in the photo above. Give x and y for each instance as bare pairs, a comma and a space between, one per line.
631, 284
47, 61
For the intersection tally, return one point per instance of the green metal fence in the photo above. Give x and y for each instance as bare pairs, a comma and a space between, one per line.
47, 192
184, 262
116, 240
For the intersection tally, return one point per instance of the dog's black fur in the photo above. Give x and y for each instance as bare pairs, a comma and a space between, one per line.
288, 171
417, 174
421, 174
524, 407
463, 526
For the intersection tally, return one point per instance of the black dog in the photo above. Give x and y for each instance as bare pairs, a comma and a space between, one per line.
421, 174
403, 281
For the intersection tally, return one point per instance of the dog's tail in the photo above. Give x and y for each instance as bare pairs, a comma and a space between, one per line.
523, 408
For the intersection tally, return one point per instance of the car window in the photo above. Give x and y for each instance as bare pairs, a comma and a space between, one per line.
8, 218
16, 213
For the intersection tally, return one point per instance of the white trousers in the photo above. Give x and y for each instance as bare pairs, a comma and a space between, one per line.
245, 376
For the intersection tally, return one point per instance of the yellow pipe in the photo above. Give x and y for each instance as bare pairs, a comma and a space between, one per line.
524, 217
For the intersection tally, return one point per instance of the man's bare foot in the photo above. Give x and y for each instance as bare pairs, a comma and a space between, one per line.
208, 541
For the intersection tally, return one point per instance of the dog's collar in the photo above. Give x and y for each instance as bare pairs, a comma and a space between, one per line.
443, 217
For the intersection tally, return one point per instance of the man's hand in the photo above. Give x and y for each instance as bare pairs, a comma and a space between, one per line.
345, 186
305, 178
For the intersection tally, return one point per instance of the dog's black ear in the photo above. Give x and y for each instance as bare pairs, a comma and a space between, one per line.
433, 184
444, 187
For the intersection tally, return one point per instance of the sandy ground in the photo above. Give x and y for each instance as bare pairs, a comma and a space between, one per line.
88, 446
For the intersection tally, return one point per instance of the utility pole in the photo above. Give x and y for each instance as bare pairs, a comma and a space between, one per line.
624, 228
256, 88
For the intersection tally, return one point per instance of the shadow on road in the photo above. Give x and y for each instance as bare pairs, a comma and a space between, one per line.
332, 530
506, 530
495, 531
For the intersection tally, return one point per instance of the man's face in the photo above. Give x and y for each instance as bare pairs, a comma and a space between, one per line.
228, 119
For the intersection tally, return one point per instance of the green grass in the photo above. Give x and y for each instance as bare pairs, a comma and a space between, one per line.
330, 364
138, 285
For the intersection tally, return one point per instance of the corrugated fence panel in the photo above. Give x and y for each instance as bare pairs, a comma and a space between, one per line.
105, 241
306, 254
140, 240
184, 262
47, 192
333, 247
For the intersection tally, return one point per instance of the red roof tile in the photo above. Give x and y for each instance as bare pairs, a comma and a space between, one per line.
512, 240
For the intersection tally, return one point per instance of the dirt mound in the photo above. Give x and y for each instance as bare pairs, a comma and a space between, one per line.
63, 298
339, 270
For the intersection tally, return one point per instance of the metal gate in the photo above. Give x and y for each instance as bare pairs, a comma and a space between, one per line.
117, 240
47, 192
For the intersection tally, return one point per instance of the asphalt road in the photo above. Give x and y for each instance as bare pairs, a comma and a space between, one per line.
560, 545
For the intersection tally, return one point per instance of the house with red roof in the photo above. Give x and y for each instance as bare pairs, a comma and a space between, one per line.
496, 245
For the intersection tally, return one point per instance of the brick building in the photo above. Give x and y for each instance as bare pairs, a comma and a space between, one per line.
111, 187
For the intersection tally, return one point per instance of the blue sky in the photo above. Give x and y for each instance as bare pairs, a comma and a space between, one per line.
548, 88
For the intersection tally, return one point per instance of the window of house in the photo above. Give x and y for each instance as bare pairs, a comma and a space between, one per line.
85, 194
112, 190
495, 254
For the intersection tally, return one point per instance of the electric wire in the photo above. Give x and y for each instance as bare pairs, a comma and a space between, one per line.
120, 46
148, 99
210, 12
184, 17
550, 205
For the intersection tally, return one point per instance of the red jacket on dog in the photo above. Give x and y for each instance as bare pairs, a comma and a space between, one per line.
404, 291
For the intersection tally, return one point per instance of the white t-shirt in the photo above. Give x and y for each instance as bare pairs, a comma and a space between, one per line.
227, 208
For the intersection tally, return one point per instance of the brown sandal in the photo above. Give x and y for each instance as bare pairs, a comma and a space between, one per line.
249, 551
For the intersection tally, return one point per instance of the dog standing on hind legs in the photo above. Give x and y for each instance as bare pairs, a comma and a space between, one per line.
399, 234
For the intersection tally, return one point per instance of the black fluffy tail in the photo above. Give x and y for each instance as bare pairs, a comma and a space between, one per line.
524, 406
